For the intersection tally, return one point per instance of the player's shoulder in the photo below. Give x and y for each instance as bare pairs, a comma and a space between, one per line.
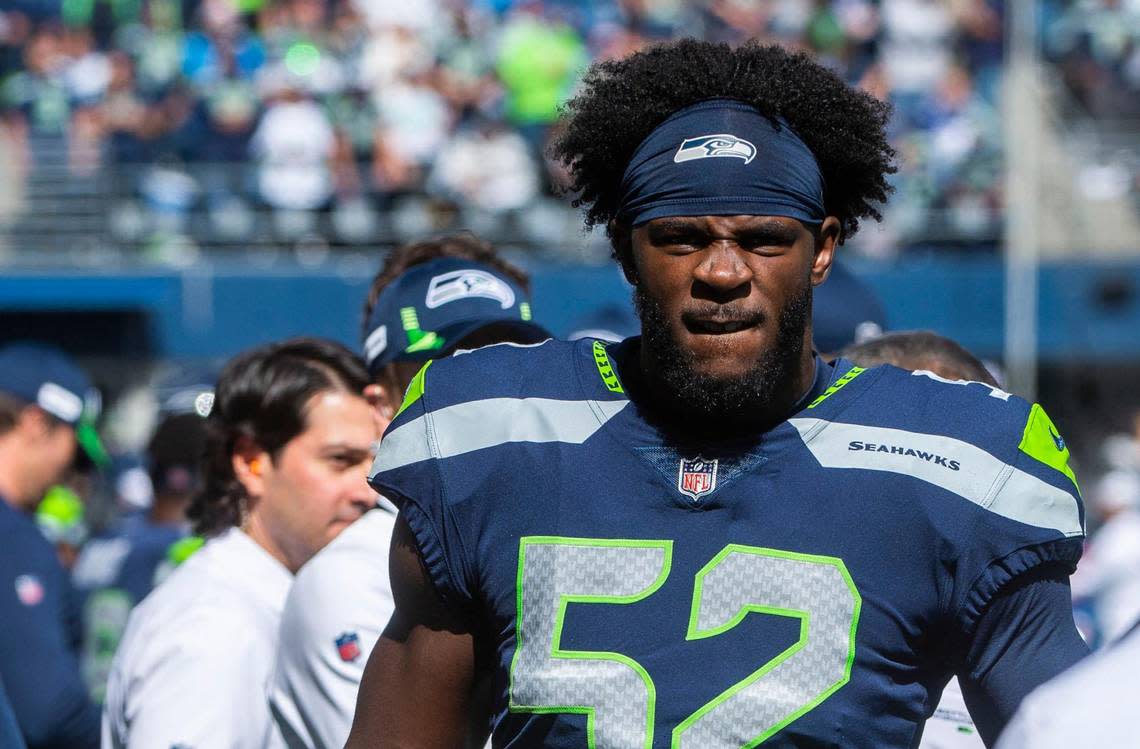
204, 591
181, 620
499, 398
505, 370
995, 449
975, 413
922, 401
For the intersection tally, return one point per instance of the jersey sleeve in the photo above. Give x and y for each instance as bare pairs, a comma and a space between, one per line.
1034, 518
408, 470
1025, 638
336, 610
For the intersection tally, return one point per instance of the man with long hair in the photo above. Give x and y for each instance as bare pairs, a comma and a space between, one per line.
290, 436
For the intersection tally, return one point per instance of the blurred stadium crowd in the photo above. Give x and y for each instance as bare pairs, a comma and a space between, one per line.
342, 121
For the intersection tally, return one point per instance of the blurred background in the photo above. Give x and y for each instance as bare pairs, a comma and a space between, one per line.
186, 178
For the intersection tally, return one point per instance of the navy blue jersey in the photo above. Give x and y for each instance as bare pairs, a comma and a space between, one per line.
38, 639
10, 737
814, 586
127, 558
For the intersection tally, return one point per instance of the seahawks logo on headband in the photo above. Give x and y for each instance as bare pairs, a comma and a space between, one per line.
711, 146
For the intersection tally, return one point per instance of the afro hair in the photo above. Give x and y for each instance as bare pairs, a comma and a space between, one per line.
622, 101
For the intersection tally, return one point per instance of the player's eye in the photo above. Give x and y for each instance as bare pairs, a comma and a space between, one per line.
343, 461
681, 239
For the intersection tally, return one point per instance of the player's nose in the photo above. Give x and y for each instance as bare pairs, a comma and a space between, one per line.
722, 273
359, 494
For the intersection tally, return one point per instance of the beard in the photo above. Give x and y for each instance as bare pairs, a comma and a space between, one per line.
735, 399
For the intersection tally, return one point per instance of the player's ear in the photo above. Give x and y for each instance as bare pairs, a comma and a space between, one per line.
386, 393
826, 242
34, 423
621, 238
250, 463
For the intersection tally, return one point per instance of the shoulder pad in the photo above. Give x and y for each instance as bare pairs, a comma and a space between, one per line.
983, 444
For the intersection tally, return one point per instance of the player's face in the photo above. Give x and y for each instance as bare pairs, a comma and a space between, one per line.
317, 485
52, 446
725, 301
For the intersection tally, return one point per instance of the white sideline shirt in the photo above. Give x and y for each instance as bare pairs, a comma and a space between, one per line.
1093, 704
340, 603
951, 727
194, 664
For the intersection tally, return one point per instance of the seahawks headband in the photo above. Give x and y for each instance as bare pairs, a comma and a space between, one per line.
721, 157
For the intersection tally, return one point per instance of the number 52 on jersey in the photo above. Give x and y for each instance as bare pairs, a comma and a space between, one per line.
617, 694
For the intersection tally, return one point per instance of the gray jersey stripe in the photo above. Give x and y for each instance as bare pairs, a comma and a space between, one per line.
476, 425
957, 466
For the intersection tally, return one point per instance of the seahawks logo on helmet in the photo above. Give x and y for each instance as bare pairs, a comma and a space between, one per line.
711, 146
464, 284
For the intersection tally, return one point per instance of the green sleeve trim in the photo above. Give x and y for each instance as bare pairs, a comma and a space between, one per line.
1041, 441
605, 369
415, 388
838, 385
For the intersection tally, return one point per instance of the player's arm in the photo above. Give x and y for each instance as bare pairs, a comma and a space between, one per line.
1025, 637
42, 677
418, 684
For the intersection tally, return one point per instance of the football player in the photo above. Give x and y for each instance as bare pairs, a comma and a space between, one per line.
950, 726
707, 536
462, 295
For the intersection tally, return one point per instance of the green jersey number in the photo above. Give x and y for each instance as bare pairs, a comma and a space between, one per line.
617, 694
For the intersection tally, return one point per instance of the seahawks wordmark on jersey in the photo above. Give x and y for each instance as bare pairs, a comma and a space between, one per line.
805, 588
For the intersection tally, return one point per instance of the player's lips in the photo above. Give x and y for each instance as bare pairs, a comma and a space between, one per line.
721, 323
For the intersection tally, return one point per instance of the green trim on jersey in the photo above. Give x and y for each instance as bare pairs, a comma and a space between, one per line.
415, 388
605, 369
838, 385
1041, 441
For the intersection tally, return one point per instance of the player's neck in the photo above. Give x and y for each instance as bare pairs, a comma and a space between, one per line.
255, 527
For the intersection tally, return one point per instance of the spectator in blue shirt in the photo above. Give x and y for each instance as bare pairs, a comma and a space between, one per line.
9, 729
46, 404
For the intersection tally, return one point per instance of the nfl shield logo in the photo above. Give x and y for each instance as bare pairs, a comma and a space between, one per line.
348, 646
697, 477
29, 590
